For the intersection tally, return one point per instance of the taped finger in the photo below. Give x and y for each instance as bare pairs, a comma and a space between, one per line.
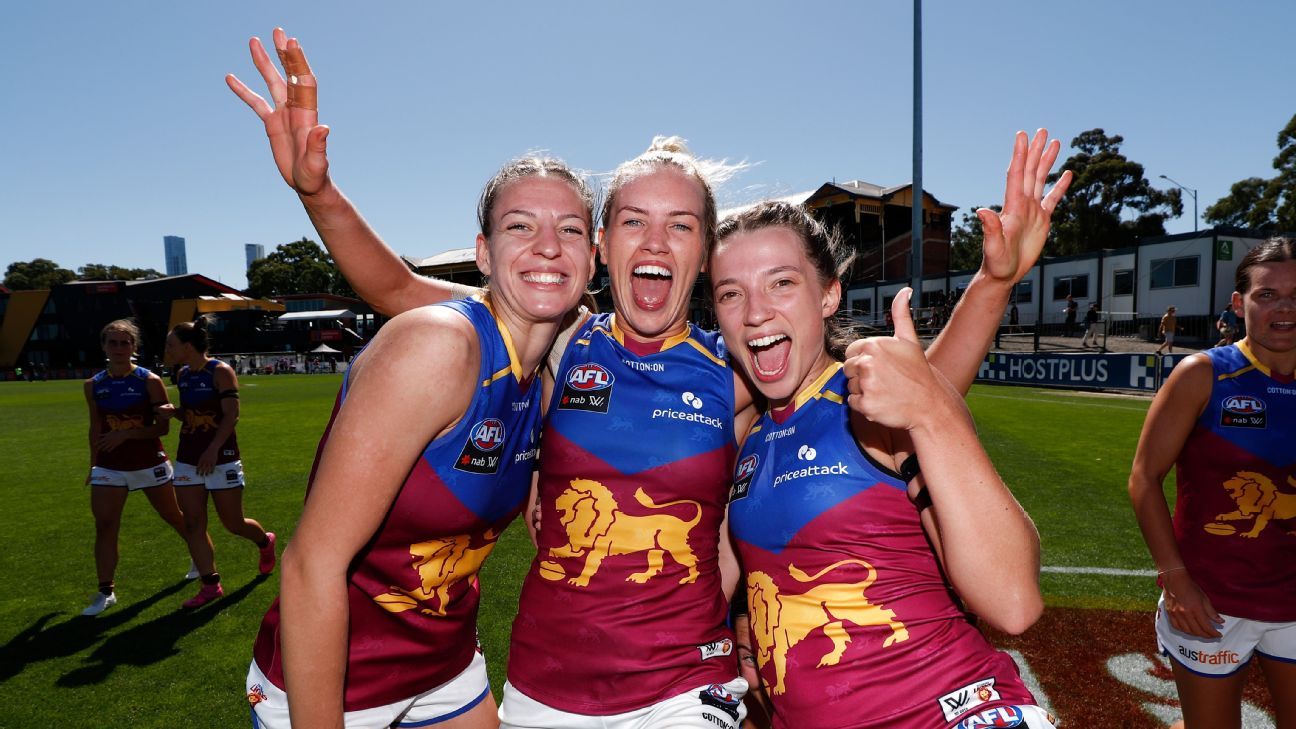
296, 68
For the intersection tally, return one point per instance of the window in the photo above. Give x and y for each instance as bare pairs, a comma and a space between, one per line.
1172, 272
861, 307
1123, 282
1022, 293
1076, 286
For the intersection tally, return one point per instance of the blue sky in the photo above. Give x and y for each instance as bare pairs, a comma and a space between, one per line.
118, 128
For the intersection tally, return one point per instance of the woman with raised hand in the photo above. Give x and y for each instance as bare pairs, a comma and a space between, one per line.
375, 625
640, 432
1226, 561
207, 457
859, 505
128, 407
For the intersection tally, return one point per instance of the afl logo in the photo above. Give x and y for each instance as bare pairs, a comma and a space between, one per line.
746, 467
589, 377
1244, 405
487, 435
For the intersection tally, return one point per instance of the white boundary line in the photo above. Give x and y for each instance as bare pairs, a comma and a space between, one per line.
1099, 571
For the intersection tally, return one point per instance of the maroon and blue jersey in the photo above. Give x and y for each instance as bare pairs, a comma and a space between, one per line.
1235, 508
854, 624
201, 415
412, 590
623, 606
124, 403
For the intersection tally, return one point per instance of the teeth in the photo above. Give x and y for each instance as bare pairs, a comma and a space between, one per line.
543, 278
766, 341
650, 270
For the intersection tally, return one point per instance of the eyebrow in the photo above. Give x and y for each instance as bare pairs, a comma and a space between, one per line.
768, 272
529, 214
641, 211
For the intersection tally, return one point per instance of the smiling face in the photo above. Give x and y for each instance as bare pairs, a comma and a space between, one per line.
1269, 306
654, 244
538, 254
771, 304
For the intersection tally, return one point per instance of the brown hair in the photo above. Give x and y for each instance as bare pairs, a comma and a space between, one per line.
193, 332
824, 247
127, 326
1274, 250
533, 166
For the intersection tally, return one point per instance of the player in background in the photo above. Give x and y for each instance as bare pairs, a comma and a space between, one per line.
1226, 561
207, 458
128, 405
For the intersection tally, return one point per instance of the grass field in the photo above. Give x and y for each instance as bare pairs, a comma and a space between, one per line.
147, 663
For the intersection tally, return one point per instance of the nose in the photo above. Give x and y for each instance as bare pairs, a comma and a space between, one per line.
654, 240
546, 243
757, 310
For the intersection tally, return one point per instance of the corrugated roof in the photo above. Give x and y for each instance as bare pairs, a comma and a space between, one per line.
454, 255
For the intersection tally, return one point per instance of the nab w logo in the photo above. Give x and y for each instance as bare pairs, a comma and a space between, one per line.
488, 434
1244, 405
589, 377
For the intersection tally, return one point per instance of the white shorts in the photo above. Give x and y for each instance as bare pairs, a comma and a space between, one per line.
1230, 653
705, 707
145, 478
450, 699
1169, 338
223, 476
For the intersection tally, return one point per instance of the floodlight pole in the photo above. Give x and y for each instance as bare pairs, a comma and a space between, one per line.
916, 191
1190, 191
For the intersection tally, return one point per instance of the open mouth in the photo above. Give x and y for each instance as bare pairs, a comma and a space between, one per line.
650, 285
544, 278
770, 355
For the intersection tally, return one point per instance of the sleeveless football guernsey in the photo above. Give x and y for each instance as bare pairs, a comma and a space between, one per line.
1235, 507
413, 591
623, 607
855, 625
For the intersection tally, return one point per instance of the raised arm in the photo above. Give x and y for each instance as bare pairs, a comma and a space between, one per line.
1169, 422
360, 472
995, 571
299, 144
1012, 243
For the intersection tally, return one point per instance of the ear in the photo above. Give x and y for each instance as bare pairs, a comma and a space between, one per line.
483, 255
593, 266
831, 298
1236, 303
602, 246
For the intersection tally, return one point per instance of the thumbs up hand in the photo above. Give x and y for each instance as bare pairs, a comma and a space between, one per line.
889, 379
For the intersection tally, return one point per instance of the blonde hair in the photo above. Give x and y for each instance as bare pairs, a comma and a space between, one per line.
673, 152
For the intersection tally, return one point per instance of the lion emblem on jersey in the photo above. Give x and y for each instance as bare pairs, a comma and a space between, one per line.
1258, 498
597, 528
780, 621
441, 563
124, 422
199, 421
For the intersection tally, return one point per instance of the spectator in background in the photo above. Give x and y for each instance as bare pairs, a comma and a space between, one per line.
1071, 310
1092, 326
1169, 324
1227, 326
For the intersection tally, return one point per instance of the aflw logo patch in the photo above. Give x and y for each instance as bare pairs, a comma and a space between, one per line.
1242, 411
743, 476
480, 453
587, 387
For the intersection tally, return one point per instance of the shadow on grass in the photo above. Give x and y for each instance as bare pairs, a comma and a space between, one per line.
38, 643
150, 642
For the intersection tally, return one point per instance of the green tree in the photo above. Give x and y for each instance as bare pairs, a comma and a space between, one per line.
1110, 204
1267, 205
102, 272
299, 267
38, 273
966, 240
